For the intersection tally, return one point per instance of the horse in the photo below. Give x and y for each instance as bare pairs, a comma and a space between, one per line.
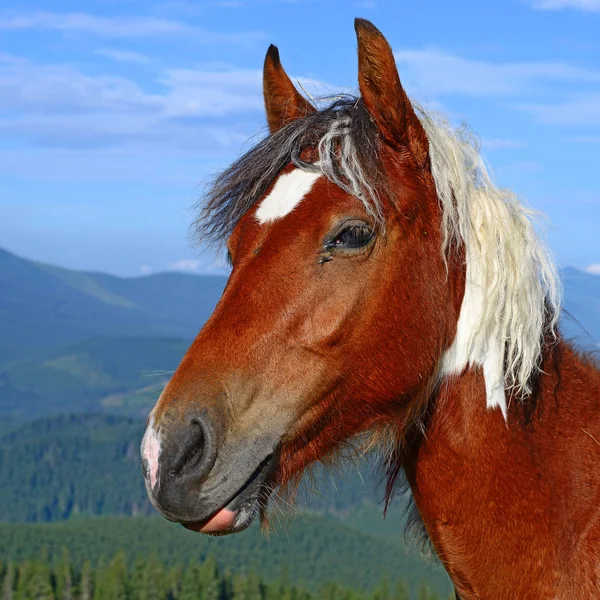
383, 287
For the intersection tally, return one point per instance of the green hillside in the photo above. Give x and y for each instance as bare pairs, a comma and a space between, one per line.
72, 465
60, 467
149, 579
82, 467
43, 308
114, 374
309, 549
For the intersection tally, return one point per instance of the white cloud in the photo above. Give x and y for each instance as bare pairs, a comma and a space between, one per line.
594, 269
97, 25
436, 72
199, 267
119, 27
62, 106
146, 270
212, 93
124, 56
584, 5
502, 143
188, 265
583, 110
26, 86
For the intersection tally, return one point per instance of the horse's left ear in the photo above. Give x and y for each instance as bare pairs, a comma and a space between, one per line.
383, 94
283, 102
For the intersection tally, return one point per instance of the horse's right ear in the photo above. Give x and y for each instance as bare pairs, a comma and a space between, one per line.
283, 102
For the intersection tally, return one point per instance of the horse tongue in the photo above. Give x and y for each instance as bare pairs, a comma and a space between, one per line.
220, 522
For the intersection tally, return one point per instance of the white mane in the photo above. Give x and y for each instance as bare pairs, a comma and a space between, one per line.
513, 293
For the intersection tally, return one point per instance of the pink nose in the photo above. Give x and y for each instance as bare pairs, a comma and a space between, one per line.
151, 453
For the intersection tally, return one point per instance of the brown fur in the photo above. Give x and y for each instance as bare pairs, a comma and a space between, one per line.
283, 102
513, 508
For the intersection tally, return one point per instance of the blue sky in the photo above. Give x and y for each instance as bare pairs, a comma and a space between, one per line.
113, 113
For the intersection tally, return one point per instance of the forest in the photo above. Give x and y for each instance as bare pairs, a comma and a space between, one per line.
148, 579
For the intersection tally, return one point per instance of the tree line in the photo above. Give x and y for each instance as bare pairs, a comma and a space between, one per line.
149, 579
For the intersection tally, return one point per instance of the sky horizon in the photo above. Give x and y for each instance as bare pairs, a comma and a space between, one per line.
113, 115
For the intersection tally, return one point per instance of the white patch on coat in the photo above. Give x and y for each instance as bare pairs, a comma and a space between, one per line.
151, 452
287, 193
468, 349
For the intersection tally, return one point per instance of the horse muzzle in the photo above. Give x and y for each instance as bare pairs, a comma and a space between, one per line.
200, 477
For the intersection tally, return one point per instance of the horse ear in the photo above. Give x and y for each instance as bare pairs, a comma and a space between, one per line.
283, 102
383, 94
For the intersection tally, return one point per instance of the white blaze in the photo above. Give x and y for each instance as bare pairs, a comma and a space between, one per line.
287, 193
151, 452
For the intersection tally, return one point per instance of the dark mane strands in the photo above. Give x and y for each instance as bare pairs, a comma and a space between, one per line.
353, 140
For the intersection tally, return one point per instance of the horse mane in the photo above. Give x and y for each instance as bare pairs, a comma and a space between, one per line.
512, 280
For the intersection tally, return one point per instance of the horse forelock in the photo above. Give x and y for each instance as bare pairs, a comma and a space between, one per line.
340, 141
512, 295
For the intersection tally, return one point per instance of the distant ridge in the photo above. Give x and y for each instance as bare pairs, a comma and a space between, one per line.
43, 307
581, 322
73, 341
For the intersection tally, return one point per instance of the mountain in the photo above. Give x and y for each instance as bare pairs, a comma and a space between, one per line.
88, 464
64, 466
72, 341
581, 320
43, 307
111, 374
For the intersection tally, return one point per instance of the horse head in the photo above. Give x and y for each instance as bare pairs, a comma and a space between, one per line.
343, 308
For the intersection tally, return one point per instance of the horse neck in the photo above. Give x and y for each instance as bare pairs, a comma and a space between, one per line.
510, 506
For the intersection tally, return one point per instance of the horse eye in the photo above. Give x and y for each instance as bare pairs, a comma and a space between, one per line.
353, 236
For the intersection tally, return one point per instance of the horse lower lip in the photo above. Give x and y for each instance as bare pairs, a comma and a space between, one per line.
223, 520
242, 504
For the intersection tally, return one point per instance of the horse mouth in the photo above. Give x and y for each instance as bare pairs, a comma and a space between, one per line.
243, 507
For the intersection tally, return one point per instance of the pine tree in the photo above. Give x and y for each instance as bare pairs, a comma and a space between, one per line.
254, 588
383, 591
34, 582
100, 589
149, 582
425, 593
85, 582
211, 584
137, 576
191, 585
64, 577
227, 584
111, 581
117, 577
8, 585
173, 582
401, 592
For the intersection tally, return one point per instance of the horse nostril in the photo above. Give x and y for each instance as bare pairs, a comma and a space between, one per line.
195, 449
192, 450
